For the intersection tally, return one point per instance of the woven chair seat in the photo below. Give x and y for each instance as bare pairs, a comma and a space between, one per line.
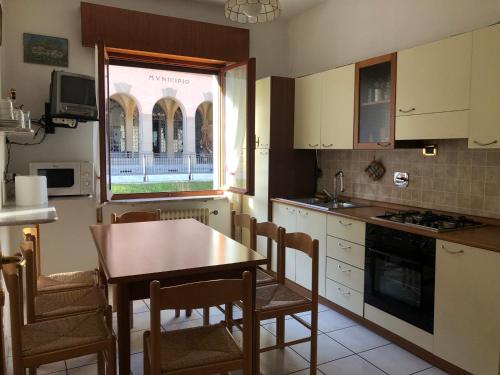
263, 277
67, 281
277, 296
63, 334
198, 346
70, 302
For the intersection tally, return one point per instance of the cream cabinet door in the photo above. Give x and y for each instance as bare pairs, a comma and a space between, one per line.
285, 216
314, 224
434, 77
307, 127
467, 307
262, 113
337, 108
484, 128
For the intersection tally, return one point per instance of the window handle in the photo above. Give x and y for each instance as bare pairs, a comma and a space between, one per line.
345, 247
257, 141
384, 144
486, 144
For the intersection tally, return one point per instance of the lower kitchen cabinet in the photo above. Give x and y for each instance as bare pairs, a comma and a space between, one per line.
343, 296
467, 307
298, 265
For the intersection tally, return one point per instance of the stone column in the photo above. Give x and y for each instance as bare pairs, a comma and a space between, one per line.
129, 129
170, 133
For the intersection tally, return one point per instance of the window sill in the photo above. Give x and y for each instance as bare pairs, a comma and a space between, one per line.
191, 198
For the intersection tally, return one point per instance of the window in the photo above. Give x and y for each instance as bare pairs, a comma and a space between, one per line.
176, 131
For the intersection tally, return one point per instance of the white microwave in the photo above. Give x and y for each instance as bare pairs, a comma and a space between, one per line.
66, 178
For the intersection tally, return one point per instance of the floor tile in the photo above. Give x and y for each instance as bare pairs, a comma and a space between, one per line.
293, 330
279, 361
306, 372
358, 338
140, 307
85, 370
266, 337
352, 365
328, 350
431, 371
137, 364
168, 317
81, 361
330, 320
394, 360
51, 368
182, 325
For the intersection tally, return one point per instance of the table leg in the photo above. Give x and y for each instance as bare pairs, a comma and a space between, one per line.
123, 312
256, 325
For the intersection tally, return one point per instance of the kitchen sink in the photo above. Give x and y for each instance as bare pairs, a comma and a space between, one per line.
318, 203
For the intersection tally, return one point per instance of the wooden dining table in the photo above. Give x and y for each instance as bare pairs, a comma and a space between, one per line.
174, 252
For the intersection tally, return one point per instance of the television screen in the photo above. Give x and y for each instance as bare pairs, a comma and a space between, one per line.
77, 90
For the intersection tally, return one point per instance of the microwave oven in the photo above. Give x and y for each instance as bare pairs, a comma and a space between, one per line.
66, 178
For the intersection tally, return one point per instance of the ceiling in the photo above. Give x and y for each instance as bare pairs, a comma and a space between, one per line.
289, 8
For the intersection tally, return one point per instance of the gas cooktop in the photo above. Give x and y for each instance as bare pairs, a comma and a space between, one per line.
429, 220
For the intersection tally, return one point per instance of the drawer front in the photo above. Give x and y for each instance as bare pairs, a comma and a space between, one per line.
345, 297
347, 229
345, 251
345, 274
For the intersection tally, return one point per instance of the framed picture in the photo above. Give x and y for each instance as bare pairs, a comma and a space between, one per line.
46, 50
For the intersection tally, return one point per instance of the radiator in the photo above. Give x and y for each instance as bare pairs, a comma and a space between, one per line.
200, 214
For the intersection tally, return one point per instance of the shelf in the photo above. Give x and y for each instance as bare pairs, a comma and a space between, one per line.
367, 104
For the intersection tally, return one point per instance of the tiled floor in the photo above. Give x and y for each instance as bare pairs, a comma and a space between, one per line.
344, 348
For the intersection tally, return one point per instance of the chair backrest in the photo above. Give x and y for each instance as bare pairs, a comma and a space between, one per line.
301, 242
135, 217
271, 232
199, 295
33, 234
27, 250
11, 274
243, 221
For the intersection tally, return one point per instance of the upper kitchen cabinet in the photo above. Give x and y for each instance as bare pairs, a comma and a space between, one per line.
337, 108
484, 128
433, 90
375, 85
307, 129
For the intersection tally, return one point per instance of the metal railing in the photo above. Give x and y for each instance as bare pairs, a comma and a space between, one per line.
130, 164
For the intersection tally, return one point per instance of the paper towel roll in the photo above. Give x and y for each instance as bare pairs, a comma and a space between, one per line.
31, 190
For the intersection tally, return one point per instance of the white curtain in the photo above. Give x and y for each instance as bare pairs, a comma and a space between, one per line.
235, 128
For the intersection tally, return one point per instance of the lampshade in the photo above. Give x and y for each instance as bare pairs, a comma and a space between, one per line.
252, 11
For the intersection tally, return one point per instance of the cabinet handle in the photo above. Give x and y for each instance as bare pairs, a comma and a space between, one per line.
345, 224
384, 144
340, 268
348, 293
330, 145
486, 144
345, 247
316, 145
257, 142
406, 111
452, 251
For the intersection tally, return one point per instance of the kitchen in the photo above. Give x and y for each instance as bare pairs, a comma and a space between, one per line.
422, 111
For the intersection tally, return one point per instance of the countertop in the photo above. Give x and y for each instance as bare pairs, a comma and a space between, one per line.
11, 215
487, 237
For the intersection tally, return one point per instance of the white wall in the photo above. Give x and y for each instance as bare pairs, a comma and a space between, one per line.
339, 32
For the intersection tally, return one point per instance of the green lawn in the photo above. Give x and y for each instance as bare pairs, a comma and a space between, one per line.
159, 187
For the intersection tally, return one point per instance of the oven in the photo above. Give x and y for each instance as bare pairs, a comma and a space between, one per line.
400, 274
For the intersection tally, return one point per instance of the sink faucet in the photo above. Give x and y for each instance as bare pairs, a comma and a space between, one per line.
338, 185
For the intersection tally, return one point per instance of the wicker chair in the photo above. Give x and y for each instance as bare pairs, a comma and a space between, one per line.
277, 300
137, 217
57, 282
43, 306
199, 350
56, 340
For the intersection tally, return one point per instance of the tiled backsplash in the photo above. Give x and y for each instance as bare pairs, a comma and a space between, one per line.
457, 179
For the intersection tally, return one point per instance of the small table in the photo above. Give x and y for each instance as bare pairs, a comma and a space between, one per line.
173, 252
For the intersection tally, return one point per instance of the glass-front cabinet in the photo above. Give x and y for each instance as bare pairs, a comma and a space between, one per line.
375, 103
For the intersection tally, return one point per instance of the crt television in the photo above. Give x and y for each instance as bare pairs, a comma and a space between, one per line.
73, 96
